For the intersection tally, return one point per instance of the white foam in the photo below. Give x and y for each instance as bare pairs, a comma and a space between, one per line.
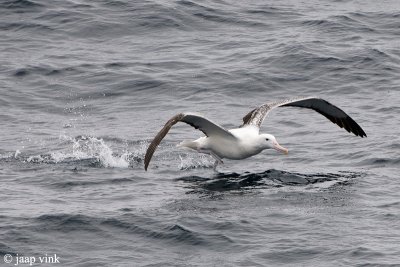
91, 147
35, 159
191, 161
17, 153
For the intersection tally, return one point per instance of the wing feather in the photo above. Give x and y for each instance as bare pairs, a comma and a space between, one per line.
246, 119
197, 121
331, 112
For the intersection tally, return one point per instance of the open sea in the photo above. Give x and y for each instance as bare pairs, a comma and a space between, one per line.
86, 84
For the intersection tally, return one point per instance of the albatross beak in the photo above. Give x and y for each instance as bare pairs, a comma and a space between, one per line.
280, 148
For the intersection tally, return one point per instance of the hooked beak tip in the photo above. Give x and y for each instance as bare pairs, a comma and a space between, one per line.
281, 148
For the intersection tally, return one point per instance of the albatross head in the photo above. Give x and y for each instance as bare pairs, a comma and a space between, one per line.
269, 141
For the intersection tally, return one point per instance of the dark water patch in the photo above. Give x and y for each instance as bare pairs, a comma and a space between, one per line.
173, 233
163, 65
264, 11
83, 183
379, 53
295, 57
364, 253
393, 146
71, 160
144, 18
228, 19
21, 73
66, 223
338, 24
389, 205
389, 14
193, 4
19, 26
385, 23
117, 65
179, 233
274, 12
380, 162
61, 19
133, 86
377, 263
345, 18
387, 110
114, 3
46, 71
19, 5
317, 22
126, 210
232, 182
291, 255
157, 22
372, 59
5, 249
366, 61
351, 23
193, 179
271, 178
218, 15
389, 216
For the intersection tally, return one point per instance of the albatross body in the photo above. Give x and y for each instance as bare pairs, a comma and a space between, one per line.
247, 141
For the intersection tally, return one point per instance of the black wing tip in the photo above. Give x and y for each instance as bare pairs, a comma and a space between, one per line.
146, 161
358, 132
354, 127
362, 134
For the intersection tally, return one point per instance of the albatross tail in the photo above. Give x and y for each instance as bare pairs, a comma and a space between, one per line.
188, 144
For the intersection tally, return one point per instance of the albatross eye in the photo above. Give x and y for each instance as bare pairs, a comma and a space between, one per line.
266, 139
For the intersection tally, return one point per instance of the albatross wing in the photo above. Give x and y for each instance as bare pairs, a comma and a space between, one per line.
333, 113
197, 121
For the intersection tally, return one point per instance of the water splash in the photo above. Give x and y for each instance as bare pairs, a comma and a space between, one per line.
95, 151
17, 153
86, 147
193, 162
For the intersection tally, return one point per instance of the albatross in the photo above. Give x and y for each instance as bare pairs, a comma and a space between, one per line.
247, 141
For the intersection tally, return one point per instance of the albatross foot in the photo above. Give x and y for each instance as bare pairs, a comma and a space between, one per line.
209, 152
218, 159
215, 165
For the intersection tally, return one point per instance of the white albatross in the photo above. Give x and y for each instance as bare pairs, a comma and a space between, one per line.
246, 141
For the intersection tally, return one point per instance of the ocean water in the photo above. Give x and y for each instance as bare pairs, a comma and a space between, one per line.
86, 85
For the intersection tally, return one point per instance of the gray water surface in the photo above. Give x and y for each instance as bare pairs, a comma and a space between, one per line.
85, 86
